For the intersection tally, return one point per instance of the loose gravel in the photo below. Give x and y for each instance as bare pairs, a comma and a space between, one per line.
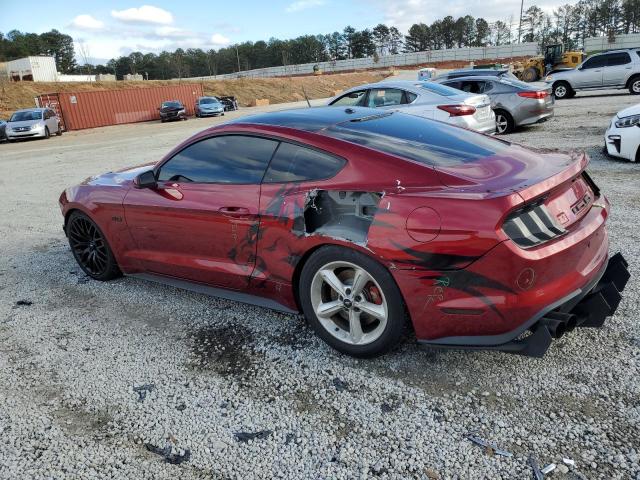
128, 379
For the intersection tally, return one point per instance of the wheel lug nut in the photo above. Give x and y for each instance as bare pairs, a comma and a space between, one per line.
348, 291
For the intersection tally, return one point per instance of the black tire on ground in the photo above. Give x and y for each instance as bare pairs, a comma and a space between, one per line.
562, 90
504, 122
90, 248
634, 85
47, 134
530, 75
396, 320
59, 132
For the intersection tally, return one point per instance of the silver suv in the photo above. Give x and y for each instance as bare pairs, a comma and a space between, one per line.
612, 69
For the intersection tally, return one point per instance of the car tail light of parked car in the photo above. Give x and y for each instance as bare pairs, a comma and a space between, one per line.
458, 110
538, 94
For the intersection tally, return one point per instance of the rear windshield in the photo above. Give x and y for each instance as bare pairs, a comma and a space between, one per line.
515, 83
24, 116
439, 89
419, 139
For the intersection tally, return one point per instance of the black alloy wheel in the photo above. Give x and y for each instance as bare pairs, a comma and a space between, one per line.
90, 248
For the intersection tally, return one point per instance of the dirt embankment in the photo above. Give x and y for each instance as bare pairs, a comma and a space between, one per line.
15, 95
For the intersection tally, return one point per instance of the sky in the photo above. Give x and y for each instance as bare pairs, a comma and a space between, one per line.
104, 30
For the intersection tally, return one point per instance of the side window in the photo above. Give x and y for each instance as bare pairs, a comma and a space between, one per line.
486, 86
235, 159
46, 114
455, 84
410, 97
353, 99
620, 58
385, 97
471, 86
594, 62
293, 163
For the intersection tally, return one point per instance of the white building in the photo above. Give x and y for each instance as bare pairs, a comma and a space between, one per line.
37, 69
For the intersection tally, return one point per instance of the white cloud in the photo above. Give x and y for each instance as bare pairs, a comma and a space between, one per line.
86, 22
219, 40
175, 32
404, 13
143, 14
303, 5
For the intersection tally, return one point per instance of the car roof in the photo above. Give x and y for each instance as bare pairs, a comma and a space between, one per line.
309, 119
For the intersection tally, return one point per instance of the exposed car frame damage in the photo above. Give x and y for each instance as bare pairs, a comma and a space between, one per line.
340, 214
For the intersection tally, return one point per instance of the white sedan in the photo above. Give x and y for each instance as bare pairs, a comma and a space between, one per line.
423, 99
622, 139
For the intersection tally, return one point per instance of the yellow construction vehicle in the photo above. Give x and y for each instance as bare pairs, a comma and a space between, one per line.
554, 58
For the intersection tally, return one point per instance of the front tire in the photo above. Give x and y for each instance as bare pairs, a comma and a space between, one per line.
352, 302
634, 86
504, 122
47, 134
530, 75
90, 248
562, 90
59, 132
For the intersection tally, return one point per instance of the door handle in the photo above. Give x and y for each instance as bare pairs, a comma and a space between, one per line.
234, 211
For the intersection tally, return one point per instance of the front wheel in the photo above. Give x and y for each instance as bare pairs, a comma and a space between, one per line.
47, 134
562, 90
352, 302
634, 86
59, 132
90, 248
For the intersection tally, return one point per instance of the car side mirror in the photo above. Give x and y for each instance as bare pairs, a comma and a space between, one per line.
146, 180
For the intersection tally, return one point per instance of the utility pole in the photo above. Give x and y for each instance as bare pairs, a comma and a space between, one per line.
520, 27
238, 58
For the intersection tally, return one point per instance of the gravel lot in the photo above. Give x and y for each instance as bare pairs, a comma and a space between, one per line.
128, 379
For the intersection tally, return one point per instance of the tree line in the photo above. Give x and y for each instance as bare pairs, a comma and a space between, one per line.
569, 24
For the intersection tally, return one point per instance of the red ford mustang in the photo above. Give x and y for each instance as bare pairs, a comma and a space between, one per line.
367, 223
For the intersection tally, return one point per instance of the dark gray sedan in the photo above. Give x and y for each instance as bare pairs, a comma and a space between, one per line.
3, 129
515, 103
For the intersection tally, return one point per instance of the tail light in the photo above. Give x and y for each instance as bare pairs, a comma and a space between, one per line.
538, 94
458, 110
532, 226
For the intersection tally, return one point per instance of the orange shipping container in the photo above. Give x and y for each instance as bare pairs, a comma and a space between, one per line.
99, 108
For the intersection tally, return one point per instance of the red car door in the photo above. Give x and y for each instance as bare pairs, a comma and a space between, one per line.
200, 222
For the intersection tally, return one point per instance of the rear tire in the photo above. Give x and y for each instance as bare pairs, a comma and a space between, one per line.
362, 312
504, 122
90, 248
634, 85
562, 90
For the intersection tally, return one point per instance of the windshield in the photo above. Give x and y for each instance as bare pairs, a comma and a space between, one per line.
24, 116
439, 89
418, 139
171, 104
207, 101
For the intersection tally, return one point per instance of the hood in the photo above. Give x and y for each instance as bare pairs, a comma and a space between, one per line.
628, 112
514, 169
23, 123
118, 178
171, 109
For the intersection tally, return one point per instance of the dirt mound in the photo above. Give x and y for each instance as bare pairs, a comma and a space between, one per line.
15, 95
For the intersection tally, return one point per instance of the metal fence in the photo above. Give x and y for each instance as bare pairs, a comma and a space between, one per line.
597, 44
402, 59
